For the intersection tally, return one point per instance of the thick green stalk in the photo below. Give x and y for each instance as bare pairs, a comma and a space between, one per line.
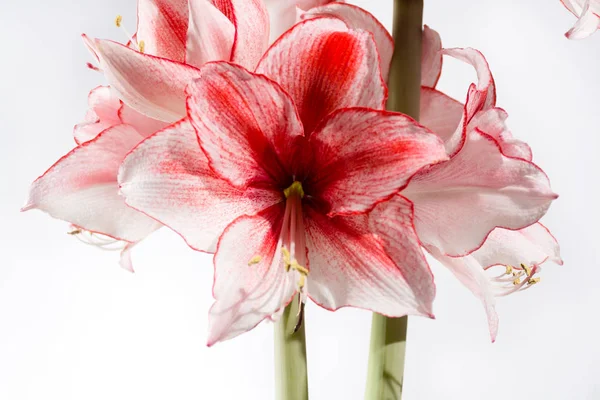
385, 374
291, 380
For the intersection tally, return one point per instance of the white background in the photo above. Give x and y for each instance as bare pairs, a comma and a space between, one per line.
73, 325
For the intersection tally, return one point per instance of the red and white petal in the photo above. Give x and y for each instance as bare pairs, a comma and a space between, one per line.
308, 4
574, 6
372, 261
162, 25
82, 188
210, 34
325, 66
360, 157
533, 245
457, 203
251, 21
493, 122
168, 178
588, 22
283, 14
357, 18
152, 86
471, 274
248, 291
143, 124
431, 57
103, 113
246, 124
441, 114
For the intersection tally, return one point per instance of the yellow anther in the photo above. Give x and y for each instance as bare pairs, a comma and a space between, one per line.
118, 20
516, 282
533, 281
509, 269
303, 271
295, 188
516, 274
287, 262
74, 232
302, 282
254, 260
526, 269
142, 46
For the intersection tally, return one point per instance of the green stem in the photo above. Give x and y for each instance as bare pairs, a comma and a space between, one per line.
291, 380
385, 375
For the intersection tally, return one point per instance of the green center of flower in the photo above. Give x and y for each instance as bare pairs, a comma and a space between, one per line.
295, 189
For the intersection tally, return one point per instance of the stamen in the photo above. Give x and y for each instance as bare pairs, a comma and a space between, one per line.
514, 279
516, 282
142, 46
526, 269
533, 281
509, 269
118, 20
254, 260
139, 44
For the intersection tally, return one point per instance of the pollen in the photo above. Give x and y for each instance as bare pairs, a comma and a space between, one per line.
533, 281
118, 20
142, 46
526, 269
74, 232
517, 281
294, 189
509, 269
254, 260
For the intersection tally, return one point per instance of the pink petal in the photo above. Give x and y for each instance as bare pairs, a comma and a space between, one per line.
152, 86
251, 21
324, 66
588, 22
361, 157
457, 203
246, 125
162, 25
369, 261
167, 177
210, 34
81, 188
493, 123
308, 4
431, 57
574, 6
441, 113
247, 293
357, 18
103, 113
282, 16
143, 124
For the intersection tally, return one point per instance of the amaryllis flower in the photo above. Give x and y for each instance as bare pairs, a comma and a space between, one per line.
289, 185
588, 17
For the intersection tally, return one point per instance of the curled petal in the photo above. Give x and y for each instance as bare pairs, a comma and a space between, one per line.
588, 22
357, 18
162, 25
324, 66
361, 157
369, 261
102, 114
457, 203
210, 34
251, 21
246, 124
168, 178
152, 86
81, 188
431, 58
441, 113
251, 282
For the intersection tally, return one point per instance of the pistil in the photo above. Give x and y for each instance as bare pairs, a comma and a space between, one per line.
293, 239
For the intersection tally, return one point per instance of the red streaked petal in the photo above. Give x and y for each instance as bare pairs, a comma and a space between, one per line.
167, 177
324, 66
357, 18
431, 57
103, 113
361, 156
162, 25
588, 22
457, 203
152, 86
246, 124
247, 294
369, 261
81, 188
441, 113
210, 34
251, 21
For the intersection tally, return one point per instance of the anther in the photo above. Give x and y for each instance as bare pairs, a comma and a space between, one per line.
533, 281
142, 46
517, 281
254, 260
526, 269
118, 20
74, 232
509, 269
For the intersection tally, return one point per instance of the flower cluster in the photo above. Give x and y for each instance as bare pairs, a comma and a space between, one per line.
257, 131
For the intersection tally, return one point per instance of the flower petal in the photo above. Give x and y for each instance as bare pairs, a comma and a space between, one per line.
103, 113
457, 203
440, 113
162, 25
308, 4
81, 188
357, 18
282, 16
493, 123
251, 21
247, 292
246, 124
431, 57
210, 34
324, 66
152, 86
587, 24
167, 177
361, 157
371, 261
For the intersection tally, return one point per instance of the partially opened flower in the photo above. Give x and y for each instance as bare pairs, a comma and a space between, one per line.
298, 202
588, 17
